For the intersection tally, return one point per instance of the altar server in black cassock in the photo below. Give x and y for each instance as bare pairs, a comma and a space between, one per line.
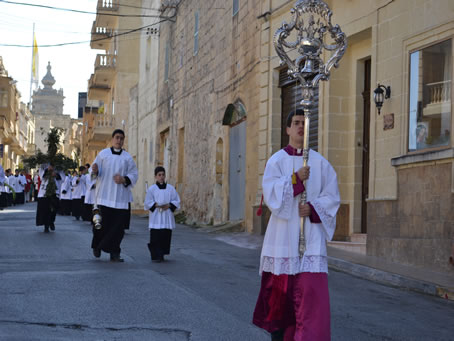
78, 192
3, 194
162, 200
48, 198
116, 173
66, 195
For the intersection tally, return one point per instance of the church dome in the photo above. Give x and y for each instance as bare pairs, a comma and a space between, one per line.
48, 79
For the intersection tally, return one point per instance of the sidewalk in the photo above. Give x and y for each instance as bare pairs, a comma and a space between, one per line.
363, 266
393, 274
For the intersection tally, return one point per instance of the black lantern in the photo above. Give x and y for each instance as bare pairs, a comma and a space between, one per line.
380, 94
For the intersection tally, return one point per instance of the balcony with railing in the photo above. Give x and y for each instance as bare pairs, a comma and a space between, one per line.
438, 96
105, 13
100, 128
99, 92
105, 69
101, 37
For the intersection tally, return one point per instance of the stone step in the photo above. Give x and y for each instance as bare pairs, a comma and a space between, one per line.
358, 238
349, 246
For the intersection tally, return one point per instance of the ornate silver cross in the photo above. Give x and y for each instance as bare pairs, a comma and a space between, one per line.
311, 19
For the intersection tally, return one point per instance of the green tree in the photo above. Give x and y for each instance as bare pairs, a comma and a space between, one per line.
58, 160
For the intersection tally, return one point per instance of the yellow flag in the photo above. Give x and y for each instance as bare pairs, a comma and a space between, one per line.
35, 64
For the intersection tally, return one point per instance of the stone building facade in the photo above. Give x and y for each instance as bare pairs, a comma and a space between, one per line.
17, 124
208, 107
395, 169
116, 31
143, 104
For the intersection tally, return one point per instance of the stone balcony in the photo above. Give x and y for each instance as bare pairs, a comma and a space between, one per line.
101, 37
105, 69
101, 128
107, 7
98, 92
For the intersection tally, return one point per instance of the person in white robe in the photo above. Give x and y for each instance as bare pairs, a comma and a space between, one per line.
116, 172
48, 196
161, 200
78, 192
89, 196
288, 280
3, 194
36, 182
66, 195
90, 186
19, 185
9, 187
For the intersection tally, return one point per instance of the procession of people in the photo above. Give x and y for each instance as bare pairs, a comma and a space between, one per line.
104, 186
288, 277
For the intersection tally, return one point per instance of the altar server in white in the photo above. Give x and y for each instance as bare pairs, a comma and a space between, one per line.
78, 192
48, 196
293, 303
19, 186
3, 195
66, 195
89, 197
116, 173
161, 200
90, 186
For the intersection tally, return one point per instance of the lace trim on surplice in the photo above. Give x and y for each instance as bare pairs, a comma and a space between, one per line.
294, 265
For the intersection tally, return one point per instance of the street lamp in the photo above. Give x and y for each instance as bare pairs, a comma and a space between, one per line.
312, 21
380, 94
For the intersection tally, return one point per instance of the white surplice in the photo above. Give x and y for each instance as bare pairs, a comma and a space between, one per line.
108, 193
45, 181
66, 187
78, 187
159, 219
90, 189
280, 246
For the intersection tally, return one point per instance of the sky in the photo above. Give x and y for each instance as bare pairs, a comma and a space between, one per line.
72, 65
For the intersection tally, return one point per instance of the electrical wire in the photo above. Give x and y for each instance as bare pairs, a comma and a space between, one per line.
87, 41
82, 12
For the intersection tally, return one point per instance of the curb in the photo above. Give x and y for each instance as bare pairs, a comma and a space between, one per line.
390, 279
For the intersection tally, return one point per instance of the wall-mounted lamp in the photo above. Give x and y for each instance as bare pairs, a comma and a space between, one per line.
380, 94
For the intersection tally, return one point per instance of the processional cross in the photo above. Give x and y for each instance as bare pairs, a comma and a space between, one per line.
311, 20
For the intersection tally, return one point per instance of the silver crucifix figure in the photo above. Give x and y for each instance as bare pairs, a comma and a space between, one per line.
312, 24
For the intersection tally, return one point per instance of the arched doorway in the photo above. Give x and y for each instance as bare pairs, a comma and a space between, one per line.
235, 117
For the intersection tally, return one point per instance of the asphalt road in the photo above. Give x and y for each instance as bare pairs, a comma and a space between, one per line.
52, 288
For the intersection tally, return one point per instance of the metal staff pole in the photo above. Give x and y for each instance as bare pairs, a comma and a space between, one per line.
311, 20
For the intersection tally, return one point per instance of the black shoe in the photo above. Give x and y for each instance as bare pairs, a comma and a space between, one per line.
97, 253
52, 226
77, 218
46, 229
277, 335
116, 258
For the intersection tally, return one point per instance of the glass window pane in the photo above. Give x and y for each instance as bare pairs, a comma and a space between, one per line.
236, 6
196, 33
167, 62
430, 97
3, 98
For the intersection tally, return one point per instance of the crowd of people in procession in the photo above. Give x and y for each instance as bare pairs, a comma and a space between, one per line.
293, 303
107, 184
15, 188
